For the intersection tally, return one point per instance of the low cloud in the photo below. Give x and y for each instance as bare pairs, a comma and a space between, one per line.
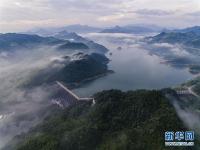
173, 50
22, 108
189, 117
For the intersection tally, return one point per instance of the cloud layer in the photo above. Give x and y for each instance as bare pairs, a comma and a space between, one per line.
22, 108
21, 14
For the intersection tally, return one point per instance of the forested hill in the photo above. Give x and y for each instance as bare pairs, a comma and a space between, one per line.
134, 120
74, 70
189, 37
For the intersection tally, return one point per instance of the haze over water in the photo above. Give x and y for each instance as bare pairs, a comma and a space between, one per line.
134, 67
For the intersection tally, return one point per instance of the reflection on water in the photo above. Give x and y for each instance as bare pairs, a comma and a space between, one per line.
133, 66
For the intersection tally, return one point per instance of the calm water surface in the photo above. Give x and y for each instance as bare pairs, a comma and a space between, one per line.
133, 66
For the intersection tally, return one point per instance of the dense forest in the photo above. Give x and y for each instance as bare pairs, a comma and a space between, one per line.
72, 72
134, 120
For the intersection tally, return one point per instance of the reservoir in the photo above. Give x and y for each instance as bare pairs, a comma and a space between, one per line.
133, 66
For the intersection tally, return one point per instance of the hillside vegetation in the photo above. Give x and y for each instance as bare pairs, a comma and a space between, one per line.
75, 70
134, 120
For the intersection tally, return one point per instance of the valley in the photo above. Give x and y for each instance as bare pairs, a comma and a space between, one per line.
89, 64
99, 75
30, 66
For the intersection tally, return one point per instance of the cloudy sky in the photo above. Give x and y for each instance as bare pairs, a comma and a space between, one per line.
19, 15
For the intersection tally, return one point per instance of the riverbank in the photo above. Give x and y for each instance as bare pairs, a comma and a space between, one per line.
75, 85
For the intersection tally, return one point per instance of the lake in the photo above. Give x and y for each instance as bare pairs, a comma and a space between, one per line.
133, 65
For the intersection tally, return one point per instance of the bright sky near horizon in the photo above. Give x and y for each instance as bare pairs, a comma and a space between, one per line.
19, 15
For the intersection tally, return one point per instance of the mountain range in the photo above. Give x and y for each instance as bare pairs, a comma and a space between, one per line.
187, 37
83, 29
133, 29
11, 41
71, 28
118, 120
180, 48
62, 41
72, 36
87, 58
195, 29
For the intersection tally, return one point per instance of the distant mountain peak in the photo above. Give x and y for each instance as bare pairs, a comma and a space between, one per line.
132, 29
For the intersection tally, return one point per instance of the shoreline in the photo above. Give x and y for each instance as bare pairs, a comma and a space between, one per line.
75, 85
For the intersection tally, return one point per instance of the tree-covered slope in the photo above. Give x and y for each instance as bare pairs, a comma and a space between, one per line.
72, 70
15, 41
134, 120
74, 46
191, 39
64, 35
11, 41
